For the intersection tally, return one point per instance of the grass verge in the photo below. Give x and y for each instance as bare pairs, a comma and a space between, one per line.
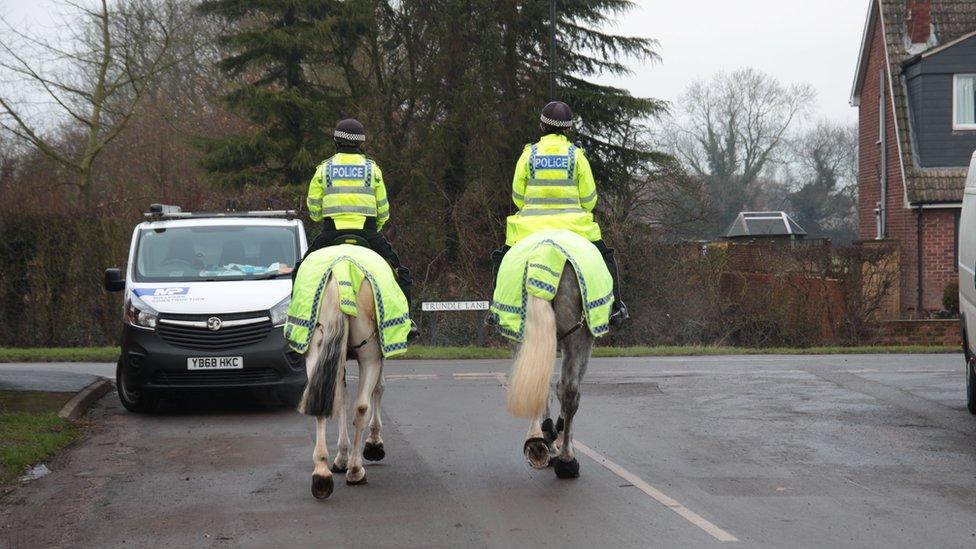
30, 430
428, 352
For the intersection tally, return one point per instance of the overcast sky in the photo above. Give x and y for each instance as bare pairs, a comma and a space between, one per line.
814, 41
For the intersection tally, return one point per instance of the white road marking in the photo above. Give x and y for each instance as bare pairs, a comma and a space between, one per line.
657, 495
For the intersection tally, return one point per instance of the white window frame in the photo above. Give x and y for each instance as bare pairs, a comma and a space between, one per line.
955, 82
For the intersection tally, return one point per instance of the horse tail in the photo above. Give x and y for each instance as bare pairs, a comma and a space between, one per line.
528, 389
328, 370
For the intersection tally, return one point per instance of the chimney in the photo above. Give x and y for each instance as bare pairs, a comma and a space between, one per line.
919, 21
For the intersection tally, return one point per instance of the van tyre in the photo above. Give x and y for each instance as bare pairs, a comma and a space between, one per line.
141, 402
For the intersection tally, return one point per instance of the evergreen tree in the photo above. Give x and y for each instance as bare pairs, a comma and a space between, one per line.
466, 81
282, 57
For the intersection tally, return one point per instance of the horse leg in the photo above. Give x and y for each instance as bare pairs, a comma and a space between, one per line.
321, 476
576, 355
374, 450
369, 373
342, 446
536, 449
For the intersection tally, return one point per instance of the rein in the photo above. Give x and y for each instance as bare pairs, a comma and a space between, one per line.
364, 342
569, 332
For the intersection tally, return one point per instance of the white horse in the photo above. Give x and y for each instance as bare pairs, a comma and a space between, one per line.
548, 325
325, 395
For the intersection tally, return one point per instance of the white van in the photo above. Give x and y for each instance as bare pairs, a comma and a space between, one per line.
967, 282
206, 296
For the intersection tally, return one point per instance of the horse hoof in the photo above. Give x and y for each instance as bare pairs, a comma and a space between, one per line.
566, 469
536, 452
321, 486
374, 451
338, 470
352, 481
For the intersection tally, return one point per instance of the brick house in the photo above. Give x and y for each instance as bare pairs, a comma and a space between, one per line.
914, 90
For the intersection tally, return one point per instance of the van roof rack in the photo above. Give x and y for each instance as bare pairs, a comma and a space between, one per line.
160, 212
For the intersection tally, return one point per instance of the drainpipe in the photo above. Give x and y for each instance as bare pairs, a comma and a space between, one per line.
918, 250
883, 128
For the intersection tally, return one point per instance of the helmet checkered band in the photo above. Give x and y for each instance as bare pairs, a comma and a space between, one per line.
339, 134
555, 123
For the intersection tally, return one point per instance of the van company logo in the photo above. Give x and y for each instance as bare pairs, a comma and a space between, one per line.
214, 324
162, 292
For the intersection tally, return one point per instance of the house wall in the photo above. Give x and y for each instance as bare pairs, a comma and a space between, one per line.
929, 82
901, 221
938, 224
938, 255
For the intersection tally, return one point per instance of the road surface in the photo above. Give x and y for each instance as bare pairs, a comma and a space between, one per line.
769, 451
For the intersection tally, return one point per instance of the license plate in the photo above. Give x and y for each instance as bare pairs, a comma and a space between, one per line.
215, 363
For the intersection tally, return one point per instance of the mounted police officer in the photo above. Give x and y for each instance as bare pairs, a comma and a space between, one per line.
348, 196
554, 188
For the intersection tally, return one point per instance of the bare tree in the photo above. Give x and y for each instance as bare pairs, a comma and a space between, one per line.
655, 193
92, 78
728, 130
823, 166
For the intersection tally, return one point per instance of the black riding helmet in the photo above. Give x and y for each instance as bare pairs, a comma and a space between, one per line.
556, 117
349, 133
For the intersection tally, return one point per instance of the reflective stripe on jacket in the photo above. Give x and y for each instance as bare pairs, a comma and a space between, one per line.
348, 188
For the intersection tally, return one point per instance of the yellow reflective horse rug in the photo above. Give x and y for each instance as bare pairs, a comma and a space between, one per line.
534, 266
350, 265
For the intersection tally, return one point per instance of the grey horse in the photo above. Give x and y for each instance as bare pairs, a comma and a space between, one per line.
562, 324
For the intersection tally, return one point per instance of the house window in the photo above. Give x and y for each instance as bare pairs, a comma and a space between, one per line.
964, 102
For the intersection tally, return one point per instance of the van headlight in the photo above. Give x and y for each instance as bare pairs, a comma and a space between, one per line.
138, 314
279, 313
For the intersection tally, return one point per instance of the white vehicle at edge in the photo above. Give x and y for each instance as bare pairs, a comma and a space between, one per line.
205, 298
967, 282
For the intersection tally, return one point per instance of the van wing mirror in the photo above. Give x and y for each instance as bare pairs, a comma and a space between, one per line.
114, 282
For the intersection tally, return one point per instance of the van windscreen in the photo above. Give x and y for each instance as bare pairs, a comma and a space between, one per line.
183, 254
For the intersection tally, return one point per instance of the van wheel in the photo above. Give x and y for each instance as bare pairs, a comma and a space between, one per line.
141, 402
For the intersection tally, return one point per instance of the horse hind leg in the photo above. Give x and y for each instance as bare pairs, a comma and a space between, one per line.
342, 445
321, 477
374, 450
370, 358
577, 347
576, 355
536, 448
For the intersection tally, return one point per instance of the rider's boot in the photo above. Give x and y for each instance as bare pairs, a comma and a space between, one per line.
404, 281
618, 311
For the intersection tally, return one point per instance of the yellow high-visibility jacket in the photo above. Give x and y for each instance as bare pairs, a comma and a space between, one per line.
553, 188
348, 188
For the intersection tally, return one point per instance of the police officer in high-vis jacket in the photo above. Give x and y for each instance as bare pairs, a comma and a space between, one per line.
348, 196
554, 188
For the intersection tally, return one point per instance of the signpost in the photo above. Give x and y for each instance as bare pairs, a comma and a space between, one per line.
435, 307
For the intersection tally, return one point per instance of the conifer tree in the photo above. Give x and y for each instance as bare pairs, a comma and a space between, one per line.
281, 56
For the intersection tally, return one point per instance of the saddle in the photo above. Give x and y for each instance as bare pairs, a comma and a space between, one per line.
356, 240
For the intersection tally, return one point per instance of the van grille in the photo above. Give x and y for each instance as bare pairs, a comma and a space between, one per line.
202, 339
215, 377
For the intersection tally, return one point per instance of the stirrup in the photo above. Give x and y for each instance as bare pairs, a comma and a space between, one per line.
619, 314
414, 331
491, 319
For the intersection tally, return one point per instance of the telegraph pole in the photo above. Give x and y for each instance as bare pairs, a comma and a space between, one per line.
552, 50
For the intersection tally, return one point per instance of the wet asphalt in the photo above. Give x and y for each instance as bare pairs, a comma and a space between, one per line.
774, 451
